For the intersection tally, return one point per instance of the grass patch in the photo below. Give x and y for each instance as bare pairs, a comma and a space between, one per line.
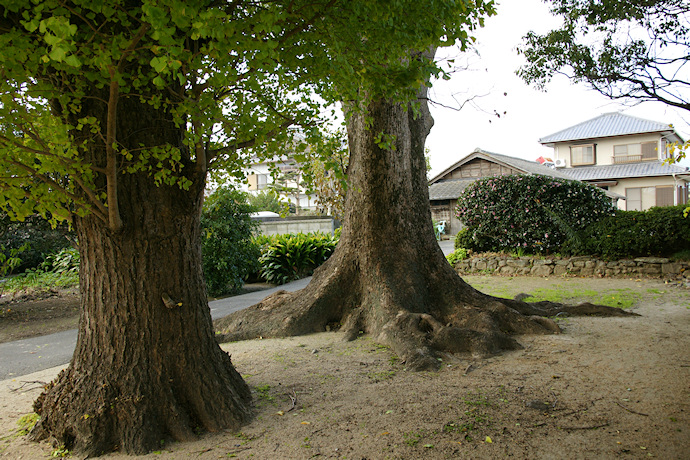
38, 281
621, 298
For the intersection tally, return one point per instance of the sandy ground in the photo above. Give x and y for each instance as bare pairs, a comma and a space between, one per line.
604, 388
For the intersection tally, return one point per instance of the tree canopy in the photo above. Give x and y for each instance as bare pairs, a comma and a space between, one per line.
624, 50
231, 74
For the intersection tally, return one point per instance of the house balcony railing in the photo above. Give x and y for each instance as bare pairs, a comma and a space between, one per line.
620, 159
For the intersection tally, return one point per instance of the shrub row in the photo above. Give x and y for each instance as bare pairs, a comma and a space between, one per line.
626, 234
534, 214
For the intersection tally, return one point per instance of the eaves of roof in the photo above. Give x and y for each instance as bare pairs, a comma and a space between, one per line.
524, 166
623, 171
448, 189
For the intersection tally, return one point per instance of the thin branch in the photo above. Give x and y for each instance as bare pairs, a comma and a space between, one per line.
114, 218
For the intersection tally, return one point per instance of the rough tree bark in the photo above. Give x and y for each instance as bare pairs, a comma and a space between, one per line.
388, 276
147, 367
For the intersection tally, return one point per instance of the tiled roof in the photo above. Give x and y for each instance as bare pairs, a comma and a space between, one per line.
449, 189
524, 166
607, 125
531, 167
623, 171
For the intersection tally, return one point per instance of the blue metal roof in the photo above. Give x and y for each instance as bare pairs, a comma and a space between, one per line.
607, 125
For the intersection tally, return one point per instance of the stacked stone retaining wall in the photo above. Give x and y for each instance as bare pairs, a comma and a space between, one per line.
574, 266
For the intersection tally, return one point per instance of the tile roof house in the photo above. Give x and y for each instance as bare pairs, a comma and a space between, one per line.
622, 154
446, 187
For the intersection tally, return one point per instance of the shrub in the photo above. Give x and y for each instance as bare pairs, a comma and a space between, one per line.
228, 252
63, 261
268, 201
289, 257
534, 213
656, 232
457, 255
35, 235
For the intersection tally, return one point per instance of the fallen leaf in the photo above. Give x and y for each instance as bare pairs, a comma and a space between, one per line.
280, 412
306, 423
488, 440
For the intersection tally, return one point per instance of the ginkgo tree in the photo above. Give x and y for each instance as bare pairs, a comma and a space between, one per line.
114, 113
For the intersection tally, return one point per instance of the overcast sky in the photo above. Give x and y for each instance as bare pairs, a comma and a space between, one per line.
529, 114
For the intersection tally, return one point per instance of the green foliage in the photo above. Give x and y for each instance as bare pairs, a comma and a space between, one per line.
223, 77
463, 239
285, 258
656, 232
457, 255
35, 235
267, 200
9, 259
65, 261
621, 49
37, 280
26, 423
534, 213
324, 172
228, 252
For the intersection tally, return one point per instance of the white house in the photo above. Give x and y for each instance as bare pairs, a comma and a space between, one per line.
282, 175
623, 154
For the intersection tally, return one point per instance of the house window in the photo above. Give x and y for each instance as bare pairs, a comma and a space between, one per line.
633, 199
632, 153
643, 198
582, 155
664, 196
257, 181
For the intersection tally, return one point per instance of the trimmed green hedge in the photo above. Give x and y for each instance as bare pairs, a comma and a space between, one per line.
531, 213
656, 232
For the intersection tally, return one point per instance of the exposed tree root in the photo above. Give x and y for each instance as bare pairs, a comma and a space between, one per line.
473, 323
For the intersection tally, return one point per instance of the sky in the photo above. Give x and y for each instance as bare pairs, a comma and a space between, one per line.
530, 114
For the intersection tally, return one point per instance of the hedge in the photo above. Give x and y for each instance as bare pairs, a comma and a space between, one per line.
533, 213
626, 234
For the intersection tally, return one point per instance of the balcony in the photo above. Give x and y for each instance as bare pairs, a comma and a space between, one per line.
620, 159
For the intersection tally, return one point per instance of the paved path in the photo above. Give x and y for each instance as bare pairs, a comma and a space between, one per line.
35, 354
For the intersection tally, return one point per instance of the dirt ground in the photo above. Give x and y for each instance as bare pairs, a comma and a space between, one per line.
31, 315
604, 388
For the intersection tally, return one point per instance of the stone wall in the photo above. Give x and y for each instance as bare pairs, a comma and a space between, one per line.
575, 266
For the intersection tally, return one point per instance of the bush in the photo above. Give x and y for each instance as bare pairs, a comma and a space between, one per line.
289, 257
457, 255
532, 213
228, 252
656, 232
268, 201
63, 261
37, 237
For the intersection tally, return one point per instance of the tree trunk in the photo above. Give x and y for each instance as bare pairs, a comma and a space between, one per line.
147, 367
388, 277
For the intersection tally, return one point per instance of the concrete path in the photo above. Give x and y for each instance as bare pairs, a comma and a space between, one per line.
35, 354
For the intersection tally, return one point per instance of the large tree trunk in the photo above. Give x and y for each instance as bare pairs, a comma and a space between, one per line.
147, 367
388, 276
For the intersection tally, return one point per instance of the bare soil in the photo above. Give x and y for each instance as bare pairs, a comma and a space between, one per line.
604, 388
39, 313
